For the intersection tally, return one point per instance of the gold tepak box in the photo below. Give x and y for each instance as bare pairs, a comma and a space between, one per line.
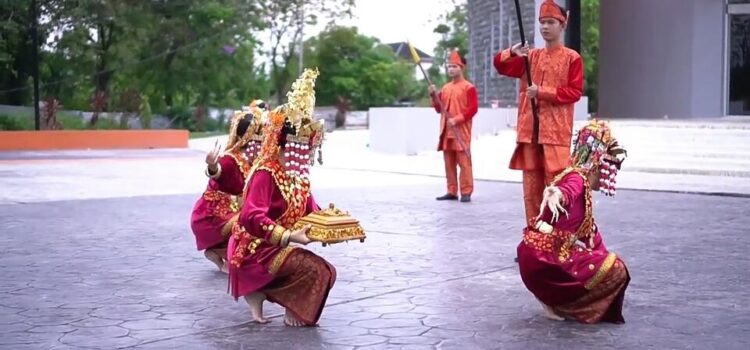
332, 225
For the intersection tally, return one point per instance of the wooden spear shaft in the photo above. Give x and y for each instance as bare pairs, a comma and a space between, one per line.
534, 108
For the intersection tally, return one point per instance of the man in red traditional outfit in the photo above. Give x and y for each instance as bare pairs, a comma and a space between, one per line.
263, 265
457, 103
562, 258
217, 208
557, 73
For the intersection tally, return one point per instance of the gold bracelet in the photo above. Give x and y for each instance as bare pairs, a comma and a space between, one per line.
285, 238
277, 233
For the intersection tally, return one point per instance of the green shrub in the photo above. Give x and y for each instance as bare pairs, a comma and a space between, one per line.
107, 124
69, 121
222, 122
145, 113
182, 118
14, 123
210, 124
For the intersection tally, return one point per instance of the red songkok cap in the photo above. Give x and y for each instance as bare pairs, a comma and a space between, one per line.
550, 10
455, 58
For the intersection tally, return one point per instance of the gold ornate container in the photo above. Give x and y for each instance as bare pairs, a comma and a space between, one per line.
332, 225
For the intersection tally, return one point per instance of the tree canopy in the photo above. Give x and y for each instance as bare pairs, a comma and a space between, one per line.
359, 69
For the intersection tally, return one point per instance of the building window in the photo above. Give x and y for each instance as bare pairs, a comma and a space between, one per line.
738, 60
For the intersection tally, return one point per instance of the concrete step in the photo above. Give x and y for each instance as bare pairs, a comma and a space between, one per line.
686, 153
717, 142
669, 160
742, 123
493, 152
721, 172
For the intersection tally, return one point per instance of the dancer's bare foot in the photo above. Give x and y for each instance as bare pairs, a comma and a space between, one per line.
292, 321
549, 313
215, 258
255, 301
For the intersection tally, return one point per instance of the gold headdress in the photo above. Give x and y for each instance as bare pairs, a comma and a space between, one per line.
299, 109
595, 149
258, 110
293, 126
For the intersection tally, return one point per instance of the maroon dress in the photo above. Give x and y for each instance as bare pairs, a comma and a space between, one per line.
568, 266
218, 206
293, 277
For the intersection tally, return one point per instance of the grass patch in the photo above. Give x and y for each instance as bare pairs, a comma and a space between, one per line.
69, 121
202, 134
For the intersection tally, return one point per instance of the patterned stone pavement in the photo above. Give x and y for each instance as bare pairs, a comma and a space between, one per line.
123, 273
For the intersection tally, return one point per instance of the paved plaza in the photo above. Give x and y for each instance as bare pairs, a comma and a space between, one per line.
86, 271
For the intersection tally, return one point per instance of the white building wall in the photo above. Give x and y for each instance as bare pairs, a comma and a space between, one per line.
408, 131
661, 58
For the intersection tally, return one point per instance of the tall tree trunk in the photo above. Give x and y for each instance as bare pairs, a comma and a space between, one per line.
279, 87
200, 118
168, 92
20, 78
103, 73
98, 104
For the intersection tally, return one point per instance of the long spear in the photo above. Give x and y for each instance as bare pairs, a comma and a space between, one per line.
534, 109
418, 61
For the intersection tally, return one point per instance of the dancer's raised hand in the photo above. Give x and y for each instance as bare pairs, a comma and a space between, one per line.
553, 200
212, 158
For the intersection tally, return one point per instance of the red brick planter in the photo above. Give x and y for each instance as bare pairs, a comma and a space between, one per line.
92, 139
